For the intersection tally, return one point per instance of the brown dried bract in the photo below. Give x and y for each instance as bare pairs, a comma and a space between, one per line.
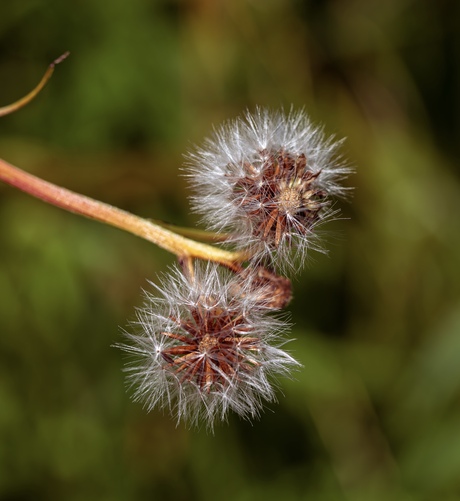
280, 196
214, 348
271, 290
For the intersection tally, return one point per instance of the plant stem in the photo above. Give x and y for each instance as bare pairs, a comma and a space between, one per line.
105, 213
193, 233
11, 108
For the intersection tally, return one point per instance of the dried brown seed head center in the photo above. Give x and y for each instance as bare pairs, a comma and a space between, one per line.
207, 343
290, 200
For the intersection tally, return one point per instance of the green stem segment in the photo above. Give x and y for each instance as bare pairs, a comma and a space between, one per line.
105, 213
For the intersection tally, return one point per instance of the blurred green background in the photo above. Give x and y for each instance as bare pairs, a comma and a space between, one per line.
375, 412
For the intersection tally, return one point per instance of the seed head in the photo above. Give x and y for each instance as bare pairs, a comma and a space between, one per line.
270, 179
206, 346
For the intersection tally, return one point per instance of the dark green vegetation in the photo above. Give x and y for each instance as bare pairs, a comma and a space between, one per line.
375, 412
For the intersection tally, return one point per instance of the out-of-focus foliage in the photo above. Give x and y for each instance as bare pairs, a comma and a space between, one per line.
375, 413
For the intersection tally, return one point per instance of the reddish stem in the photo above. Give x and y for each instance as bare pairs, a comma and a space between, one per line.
105, 213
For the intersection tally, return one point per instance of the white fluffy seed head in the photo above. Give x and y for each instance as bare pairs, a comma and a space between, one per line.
269, 179
206, 346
